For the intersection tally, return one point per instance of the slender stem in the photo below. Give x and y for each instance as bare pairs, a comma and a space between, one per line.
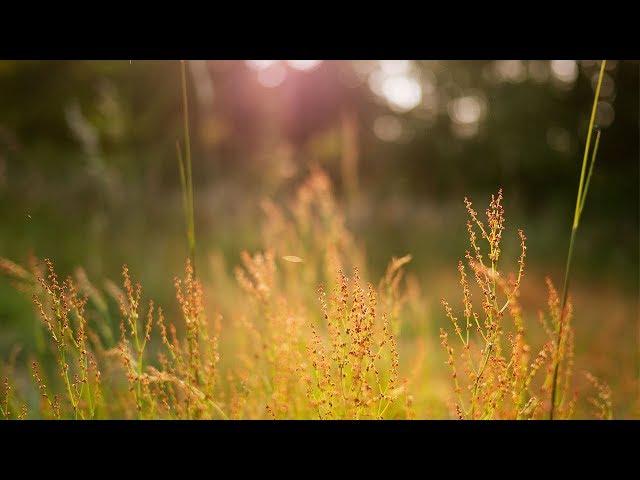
89, 396
593, 161
594, 109
185, 170
64, 367
478, 377
580, 198
183, 185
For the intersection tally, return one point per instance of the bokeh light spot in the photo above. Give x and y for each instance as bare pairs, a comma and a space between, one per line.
565, 70
260, 64
387, 128
304, 65
559, 139
272, 76
605, 115
401, 92
395, 67
466, 110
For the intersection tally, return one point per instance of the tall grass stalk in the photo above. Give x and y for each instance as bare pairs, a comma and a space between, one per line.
583, 188
184, 163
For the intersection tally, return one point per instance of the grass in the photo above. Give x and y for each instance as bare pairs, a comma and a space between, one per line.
184, 164
301, 329
583, 188
306, 336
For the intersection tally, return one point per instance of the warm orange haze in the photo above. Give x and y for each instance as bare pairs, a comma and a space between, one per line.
323, 240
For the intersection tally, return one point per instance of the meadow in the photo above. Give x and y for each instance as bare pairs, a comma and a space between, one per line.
289, 304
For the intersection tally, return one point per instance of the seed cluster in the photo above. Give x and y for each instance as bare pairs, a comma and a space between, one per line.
298, 330
500, 379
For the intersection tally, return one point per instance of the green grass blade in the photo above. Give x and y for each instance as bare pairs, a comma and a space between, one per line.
183, 186
593, 161
580, 199
186, 171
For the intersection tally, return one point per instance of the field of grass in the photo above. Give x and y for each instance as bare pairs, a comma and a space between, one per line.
292, 308
262, 340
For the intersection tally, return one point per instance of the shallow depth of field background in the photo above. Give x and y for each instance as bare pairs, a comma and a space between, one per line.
88, 175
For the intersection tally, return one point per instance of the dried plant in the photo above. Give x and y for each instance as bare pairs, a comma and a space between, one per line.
356, 374
298, 331
494, 373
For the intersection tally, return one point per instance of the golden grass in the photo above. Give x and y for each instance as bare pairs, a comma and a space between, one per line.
298, 331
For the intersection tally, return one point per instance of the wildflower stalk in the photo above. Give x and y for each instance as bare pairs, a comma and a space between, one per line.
184, 163
478, 377
583, 187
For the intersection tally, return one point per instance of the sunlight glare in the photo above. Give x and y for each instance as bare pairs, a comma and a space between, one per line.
403, 93
304, 65
395, 67
260, 64
272, 76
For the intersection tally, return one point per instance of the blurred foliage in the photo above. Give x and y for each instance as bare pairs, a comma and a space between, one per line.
88, 173
95, 138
